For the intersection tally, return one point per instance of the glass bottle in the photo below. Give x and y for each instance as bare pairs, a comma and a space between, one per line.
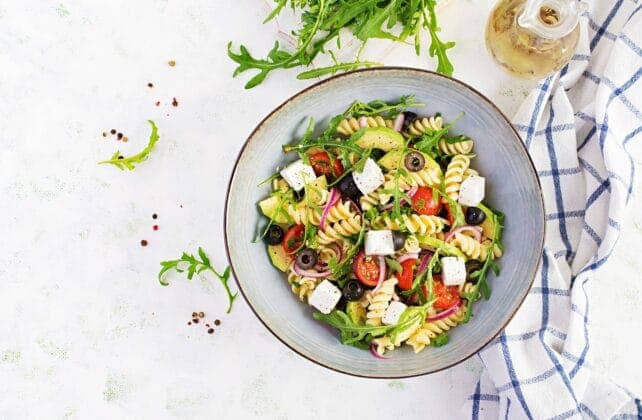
533, 38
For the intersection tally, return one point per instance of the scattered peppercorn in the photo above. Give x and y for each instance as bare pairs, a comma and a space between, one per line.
171, 63
207, 325
104, 134
119, 135
121, 157
189, 323
125, 139
210, 331
150, 84
155, 227
154, 216
143, 242
157, 103
174, 102
194, 314
217, 322
113, 131
201, 314
195, 320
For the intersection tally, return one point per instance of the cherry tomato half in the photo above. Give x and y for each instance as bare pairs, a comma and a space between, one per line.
449, 215
293, 238
446, 296
323, 165
405, 278
366, 268
424, 203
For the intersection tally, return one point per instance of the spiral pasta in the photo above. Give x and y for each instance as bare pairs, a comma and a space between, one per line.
427, 177
497, 251
373, 199
470, 247
339, 230
459, 148
415, 223
423, 125
411, 245
340, 211
349, 126
380, 301
301, 214
301, 286
328, 252
455, 175
382, 344
429, 330
468, 288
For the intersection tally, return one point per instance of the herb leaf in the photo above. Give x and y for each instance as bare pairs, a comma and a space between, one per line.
194, 265
130, 162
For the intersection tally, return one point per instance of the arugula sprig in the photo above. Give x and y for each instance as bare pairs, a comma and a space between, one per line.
323, 21
425, 278
130, 162
195, 266
482, 287
342, 269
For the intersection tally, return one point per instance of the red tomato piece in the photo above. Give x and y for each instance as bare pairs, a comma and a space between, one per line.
367, 269
293, 238
450, 215
405, 278
446, 296
323, 165
424, 203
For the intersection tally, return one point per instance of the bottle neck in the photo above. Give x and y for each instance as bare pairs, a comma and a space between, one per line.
551, 19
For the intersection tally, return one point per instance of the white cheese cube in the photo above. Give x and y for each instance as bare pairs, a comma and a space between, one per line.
393, 313
325, 297
379, 242
297, 174
453, 271
472, 191
371, 177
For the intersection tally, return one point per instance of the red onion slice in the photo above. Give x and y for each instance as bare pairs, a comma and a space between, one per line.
413, 191
332, 200
444, 314
355, 207
375, 354
398, 124
363, 122
382, 272
475, 230
308, 273
408, 256
424, 262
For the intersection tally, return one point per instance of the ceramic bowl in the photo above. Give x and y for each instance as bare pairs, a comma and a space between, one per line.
512, 186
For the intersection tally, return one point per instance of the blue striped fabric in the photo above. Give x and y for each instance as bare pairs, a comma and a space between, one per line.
576, 126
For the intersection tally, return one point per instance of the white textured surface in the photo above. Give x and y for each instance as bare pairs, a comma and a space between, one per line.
86, 330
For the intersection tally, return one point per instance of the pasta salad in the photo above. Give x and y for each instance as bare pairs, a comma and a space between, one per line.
380, 225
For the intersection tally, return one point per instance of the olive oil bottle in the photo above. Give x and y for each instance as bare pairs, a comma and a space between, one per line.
533, 38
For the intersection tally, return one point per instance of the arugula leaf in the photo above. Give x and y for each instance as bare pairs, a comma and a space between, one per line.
394, 265
440, 340
341, 269
194, 265
323, 21
351, 333
130, 162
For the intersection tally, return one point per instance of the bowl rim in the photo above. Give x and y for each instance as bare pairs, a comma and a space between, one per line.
331, 79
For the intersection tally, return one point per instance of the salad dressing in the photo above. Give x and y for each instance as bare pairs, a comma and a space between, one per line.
533, 38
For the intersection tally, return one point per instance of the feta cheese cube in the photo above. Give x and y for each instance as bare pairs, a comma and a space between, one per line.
325, 297
297, 174
472, 191
453, 271
393, 313
379, 242
371, 177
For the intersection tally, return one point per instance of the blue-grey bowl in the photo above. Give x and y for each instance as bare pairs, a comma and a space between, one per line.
512, 186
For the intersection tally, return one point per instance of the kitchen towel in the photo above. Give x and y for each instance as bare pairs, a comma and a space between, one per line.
576, 125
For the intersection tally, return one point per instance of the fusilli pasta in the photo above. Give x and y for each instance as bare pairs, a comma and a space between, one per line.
415, 223
379, 302
349, 126
429, 330
459, 148
455, 175
340, 230
422, 125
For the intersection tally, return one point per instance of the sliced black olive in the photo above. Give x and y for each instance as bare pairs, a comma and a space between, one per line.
298, 195
352, 290
306, 259
274, 235
475, 216
398, 239
349, 188
409, 117
471, 267
414, 161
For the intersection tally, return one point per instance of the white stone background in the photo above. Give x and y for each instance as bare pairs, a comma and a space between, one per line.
85, 329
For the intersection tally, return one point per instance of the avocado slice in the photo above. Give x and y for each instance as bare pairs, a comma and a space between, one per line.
391, 159
488, 226
356, 312
434, 243
280, 259
269, 205
382, 138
